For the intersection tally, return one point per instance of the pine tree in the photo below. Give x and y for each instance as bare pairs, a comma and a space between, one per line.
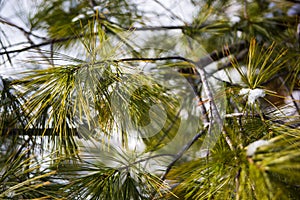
120, 99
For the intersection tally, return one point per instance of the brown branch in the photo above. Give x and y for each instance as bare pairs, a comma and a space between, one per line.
153, 59
49, 42
290, 94
5, 21
181, 152
224, 52
204, 61
200, 68
163, 28
35, 132
239, 57
59, 40
145, 159
169, 10
214, 109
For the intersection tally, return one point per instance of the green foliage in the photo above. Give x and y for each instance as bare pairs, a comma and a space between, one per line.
22, 177
112, 111
261, 65
49, 11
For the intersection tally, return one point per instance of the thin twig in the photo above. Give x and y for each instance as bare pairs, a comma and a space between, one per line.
237, 184
181, 152
290, 95
169, 10
239, 57
146, 159
64, 39
48, 42
5, 21
245, 9
35, 131
224, 52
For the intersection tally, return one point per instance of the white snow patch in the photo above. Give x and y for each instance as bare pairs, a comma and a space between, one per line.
78, 17
97, 8
253, 94
251, 149
90, 12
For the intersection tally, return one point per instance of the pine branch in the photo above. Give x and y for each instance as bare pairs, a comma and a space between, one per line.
36, 132
48, 42
239, 57
214, 110
181, 152
204, 61
219, 54
169, 10
64, 39
145, 159
5, 21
